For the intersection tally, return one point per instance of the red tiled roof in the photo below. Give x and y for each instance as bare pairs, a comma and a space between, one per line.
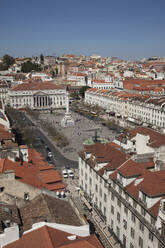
155, 209
156, 139
107, 152
35, 174
37, 86
50, 176
145, 184
133, 168
48, 237
5, 135
130, 84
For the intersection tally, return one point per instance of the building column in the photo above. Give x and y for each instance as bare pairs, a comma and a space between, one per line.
34, 101
40, 101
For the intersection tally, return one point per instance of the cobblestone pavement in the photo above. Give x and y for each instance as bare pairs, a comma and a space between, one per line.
83, 130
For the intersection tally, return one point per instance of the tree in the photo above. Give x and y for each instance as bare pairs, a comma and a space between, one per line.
83, 89
29, 66
7, 60
42, 58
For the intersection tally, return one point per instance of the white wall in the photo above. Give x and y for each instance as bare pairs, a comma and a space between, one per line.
10, 235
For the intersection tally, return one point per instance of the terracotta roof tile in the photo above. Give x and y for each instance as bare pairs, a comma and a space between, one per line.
134, 168
33, 86
47, 237
156, 139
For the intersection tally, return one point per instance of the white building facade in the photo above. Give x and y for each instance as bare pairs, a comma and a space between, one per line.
126, 209
35, 95
146, 109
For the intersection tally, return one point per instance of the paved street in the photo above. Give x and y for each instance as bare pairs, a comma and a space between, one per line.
83, 130
43, 140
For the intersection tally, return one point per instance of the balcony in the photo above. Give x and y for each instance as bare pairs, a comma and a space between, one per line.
99, 212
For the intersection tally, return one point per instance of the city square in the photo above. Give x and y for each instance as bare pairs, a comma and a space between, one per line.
83, 130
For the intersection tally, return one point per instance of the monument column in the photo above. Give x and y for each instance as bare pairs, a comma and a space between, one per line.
67, 119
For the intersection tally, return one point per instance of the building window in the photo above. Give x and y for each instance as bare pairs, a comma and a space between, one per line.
131, 245
105, 197
112, 224
82, 183
151, 237
125, 224
104, 211
118, 216
126, 210
132, 233
133, 218
140, 242
118, 202
112, 209
141, 227
100, 192
120, 191
152, 221
134, 204
90, 181
100, 206
143, 212
85, 176
112, 197
118, 232
96, 188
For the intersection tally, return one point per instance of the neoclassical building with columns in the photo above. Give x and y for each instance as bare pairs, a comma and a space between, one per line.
36, 95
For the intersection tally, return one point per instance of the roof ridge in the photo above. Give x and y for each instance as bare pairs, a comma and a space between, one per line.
46, 230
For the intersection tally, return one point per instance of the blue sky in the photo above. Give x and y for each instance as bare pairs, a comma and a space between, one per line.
128, 29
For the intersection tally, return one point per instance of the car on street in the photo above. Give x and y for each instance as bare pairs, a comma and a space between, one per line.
70, 173
65, 173
50, 155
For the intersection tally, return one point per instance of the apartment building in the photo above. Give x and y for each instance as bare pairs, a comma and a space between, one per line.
101, 84
125, 185
37, 95
3, 89
145, 108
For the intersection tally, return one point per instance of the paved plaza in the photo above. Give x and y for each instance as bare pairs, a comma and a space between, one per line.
84, 129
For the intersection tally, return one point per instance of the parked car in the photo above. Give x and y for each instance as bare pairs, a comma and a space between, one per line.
50, 154
70, 173
65, 173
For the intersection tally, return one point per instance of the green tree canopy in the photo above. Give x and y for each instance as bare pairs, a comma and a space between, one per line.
42, 58
7, 60
83, 89
29, 66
